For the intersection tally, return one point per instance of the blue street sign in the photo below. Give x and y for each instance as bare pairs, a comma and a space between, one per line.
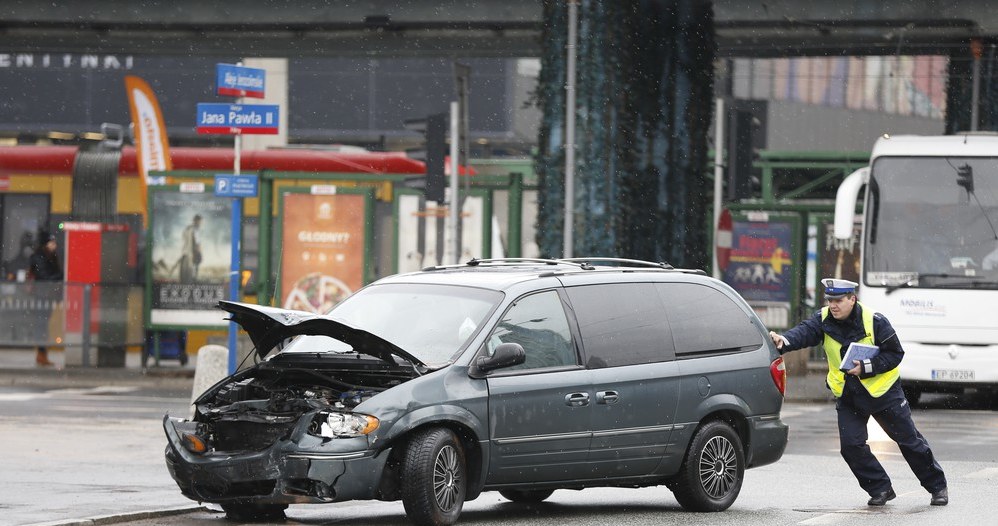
235, 119
239, 81
230, 185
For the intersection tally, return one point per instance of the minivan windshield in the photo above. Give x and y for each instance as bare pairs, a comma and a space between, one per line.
431, 322
932, 222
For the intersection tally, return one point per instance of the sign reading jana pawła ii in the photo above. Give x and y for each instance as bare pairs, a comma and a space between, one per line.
235, 119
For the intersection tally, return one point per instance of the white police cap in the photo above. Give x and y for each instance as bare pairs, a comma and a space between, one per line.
836, 288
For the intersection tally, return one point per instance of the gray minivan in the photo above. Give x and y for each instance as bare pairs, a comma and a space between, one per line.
513, 375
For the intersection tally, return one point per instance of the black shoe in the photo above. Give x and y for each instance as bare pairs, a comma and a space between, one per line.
940, 498
881, 498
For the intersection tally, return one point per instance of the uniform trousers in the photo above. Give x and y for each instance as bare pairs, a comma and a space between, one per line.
893, 413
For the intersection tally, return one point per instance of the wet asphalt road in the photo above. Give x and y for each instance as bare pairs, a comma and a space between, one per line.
89, 452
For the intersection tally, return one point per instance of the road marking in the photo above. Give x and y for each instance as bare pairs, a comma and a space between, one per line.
875, 453
985, 473
89, 409
21, 397
828, 518
99, 390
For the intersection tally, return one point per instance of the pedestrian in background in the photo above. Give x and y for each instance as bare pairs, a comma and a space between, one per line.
867, 388
18, 266
45, 267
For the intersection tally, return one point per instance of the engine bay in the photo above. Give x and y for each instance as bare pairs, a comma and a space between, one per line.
253, 409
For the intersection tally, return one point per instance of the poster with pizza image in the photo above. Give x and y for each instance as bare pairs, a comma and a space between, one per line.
324, 250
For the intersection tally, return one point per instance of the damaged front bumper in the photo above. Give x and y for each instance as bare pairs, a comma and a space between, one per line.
283, 473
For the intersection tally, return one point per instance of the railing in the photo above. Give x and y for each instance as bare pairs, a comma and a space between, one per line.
86, 320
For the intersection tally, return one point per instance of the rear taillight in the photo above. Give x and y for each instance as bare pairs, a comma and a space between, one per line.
779, 372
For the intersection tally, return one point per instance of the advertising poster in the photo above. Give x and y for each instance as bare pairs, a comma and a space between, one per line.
839, 257
190, 256
323, 249
760, 267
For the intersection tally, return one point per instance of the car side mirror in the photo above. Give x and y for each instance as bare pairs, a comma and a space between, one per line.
505, 355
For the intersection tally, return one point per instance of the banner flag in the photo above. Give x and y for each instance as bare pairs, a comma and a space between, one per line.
151, 142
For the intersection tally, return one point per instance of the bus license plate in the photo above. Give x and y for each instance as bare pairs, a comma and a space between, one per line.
952, 375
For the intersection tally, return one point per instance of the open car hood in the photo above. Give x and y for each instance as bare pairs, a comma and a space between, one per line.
269, 326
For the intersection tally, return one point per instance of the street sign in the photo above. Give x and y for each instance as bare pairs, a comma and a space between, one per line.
235, 119
239, 81
723, 239
231, 185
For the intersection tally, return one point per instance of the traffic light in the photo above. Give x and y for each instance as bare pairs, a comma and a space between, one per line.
434, 130
965, 177
745, 136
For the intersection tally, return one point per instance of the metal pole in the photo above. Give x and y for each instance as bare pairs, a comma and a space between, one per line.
86, 323
977, 49
515, 220
237, 214
718, 173
454, 200
263, 270
569, 241
236, 158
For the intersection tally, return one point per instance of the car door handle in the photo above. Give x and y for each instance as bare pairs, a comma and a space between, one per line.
577, 399
607, 397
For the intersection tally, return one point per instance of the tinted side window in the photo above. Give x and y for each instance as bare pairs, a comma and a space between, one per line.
622, 324
705, 320
538, 323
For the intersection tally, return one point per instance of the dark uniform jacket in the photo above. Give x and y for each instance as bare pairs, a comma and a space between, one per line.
812, 332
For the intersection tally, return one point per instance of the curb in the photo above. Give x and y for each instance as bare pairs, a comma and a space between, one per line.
118, 518
82, 377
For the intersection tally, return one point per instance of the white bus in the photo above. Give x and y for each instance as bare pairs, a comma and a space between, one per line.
929, 258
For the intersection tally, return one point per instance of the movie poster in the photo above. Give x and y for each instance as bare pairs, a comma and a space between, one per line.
323, 249
839, 257
191, 256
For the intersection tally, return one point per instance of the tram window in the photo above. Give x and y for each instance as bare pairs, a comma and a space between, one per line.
21, 216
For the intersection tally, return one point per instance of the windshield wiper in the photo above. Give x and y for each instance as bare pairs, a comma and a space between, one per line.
911, 282
971, 283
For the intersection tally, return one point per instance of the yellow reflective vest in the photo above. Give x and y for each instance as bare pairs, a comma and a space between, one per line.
878, 384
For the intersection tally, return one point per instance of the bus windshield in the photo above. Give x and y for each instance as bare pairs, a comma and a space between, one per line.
931, 223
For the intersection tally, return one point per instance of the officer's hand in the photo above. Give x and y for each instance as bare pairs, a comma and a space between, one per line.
855, 370
777, 339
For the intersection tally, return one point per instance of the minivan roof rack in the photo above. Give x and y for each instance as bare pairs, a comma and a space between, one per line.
581, 263
622, 262
474, 262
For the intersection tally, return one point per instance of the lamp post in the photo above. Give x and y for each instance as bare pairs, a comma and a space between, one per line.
573, 9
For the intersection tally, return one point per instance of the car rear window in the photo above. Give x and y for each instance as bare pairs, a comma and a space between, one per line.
704, 320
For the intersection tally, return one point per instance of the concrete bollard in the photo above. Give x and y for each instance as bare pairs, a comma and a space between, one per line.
212, 366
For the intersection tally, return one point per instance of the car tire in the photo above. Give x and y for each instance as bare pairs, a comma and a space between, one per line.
250, 512
434, 478
712, 472
526, 495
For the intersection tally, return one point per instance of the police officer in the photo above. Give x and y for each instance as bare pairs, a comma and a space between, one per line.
869, 388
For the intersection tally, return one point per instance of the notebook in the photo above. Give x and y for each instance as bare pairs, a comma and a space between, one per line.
857, 351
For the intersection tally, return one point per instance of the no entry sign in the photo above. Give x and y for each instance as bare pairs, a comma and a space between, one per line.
723, 239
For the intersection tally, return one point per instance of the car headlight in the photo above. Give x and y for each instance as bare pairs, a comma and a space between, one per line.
343, 425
